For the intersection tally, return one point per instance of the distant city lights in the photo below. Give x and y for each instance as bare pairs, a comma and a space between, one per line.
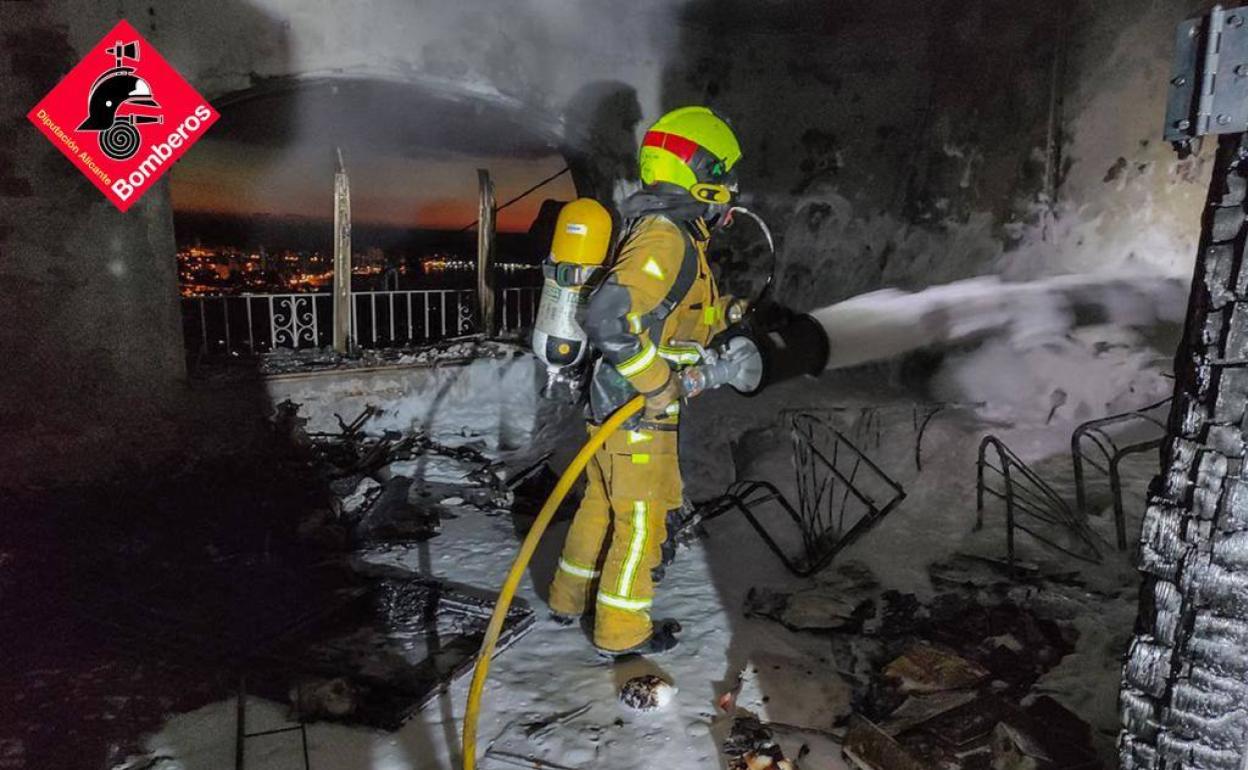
206, 271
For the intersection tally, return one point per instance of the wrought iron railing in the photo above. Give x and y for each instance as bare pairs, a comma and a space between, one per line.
519, 308
254, 324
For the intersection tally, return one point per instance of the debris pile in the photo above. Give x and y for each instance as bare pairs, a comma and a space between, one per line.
974, 731
458, 350
391, 649
946, 683
839, 602
396, 639
396, 488
163, 591
752, 746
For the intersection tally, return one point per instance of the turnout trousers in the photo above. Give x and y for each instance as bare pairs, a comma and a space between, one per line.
618, 532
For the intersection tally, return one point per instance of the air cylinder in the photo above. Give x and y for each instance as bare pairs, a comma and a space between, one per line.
578, 255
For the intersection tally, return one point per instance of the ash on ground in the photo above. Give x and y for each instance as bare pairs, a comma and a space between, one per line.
162, 591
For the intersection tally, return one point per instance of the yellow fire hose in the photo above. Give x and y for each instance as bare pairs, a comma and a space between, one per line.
512, 582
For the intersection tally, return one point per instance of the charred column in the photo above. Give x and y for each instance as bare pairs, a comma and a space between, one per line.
1184, 700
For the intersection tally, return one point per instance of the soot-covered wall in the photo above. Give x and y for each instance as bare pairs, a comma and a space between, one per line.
901, 143
89, 342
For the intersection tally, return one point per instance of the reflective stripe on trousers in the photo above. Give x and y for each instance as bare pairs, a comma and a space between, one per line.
636, 550
577, 570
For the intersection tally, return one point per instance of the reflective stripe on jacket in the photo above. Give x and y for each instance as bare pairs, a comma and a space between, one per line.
658, 296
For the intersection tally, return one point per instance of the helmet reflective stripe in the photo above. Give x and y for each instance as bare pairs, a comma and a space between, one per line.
702, 162
677, 145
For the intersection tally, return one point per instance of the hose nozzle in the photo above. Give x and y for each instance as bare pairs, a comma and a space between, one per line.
752, 357
736, 363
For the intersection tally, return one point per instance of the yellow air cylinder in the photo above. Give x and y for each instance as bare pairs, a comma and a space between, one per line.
578, 255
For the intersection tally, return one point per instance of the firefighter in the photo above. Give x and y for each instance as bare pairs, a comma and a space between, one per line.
656, 305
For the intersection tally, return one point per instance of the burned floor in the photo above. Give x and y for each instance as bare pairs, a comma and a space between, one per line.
338, 575
235, 573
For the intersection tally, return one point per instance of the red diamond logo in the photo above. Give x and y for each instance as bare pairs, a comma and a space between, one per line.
123, 116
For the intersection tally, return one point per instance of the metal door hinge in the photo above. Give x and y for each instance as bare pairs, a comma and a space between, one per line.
1209, 83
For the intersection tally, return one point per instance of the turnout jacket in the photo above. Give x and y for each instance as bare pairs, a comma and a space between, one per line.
657, 298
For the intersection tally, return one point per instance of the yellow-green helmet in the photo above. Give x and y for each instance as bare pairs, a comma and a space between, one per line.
693, 148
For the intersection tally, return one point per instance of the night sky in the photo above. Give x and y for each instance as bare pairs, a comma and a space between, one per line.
240, 179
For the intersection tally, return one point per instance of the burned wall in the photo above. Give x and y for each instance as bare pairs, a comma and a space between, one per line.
905, 144
1126, 201
89, 340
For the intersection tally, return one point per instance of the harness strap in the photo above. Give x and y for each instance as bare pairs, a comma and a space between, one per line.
685, 278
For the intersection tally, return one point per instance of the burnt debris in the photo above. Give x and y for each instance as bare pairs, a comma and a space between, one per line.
942, 683
841, 495
394, 488
751, 745
162, 591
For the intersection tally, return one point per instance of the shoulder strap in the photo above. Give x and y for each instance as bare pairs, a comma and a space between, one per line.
685, 278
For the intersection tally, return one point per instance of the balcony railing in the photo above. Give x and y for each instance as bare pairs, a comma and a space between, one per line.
254, 324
